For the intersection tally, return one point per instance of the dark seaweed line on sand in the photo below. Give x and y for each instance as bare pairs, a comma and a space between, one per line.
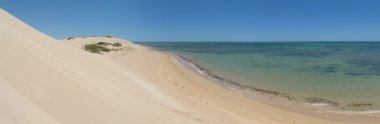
360, 106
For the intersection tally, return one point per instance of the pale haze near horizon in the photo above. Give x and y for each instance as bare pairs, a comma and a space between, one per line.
197, 20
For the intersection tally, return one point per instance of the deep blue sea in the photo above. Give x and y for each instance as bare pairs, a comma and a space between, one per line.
346, 73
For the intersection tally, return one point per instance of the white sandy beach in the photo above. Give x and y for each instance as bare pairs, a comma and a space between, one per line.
46, 81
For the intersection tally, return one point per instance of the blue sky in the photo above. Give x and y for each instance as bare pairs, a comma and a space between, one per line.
204, 20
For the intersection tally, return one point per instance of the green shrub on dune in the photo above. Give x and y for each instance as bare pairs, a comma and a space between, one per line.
103, 43
94, 48
100, 47
117, 44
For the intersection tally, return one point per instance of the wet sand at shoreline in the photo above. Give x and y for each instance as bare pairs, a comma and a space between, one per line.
182, 83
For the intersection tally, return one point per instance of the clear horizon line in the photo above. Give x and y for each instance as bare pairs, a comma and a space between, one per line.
267, 41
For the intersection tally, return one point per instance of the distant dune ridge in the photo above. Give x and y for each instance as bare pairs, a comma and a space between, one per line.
45, 81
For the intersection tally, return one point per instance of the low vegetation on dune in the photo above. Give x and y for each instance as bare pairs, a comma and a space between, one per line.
94, 48
101, 47
117, 44
103, 43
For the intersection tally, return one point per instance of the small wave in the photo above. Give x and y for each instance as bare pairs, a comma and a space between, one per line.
355, 112
318, 104
361, 108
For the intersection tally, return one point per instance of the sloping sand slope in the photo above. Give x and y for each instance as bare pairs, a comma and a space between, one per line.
44, 81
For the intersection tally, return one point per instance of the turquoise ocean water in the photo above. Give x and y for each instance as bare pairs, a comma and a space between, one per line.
346, 73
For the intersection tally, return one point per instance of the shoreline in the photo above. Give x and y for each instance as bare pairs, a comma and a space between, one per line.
201, 99
315, 104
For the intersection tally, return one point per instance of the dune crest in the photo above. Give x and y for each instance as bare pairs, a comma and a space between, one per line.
45, 81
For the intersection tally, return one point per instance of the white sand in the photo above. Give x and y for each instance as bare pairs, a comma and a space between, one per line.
44, 81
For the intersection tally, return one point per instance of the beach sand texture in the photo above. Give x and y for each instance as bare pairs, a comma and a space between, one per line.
45, 81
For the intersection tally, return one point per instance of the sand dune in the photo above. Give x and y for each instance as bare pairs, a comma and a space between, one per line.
45, 81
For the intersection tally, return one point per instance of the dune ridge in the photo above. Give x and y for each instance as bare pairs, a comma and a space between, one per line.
60, 84
46, 81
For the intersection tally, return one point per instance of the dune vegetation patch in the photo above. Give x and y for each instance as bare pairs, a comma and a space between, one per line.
94, 48
103, 44
117, 44
100, 47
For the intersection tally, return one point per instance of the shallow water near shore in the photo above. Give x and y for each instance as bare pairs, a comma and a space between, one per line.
341, 74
